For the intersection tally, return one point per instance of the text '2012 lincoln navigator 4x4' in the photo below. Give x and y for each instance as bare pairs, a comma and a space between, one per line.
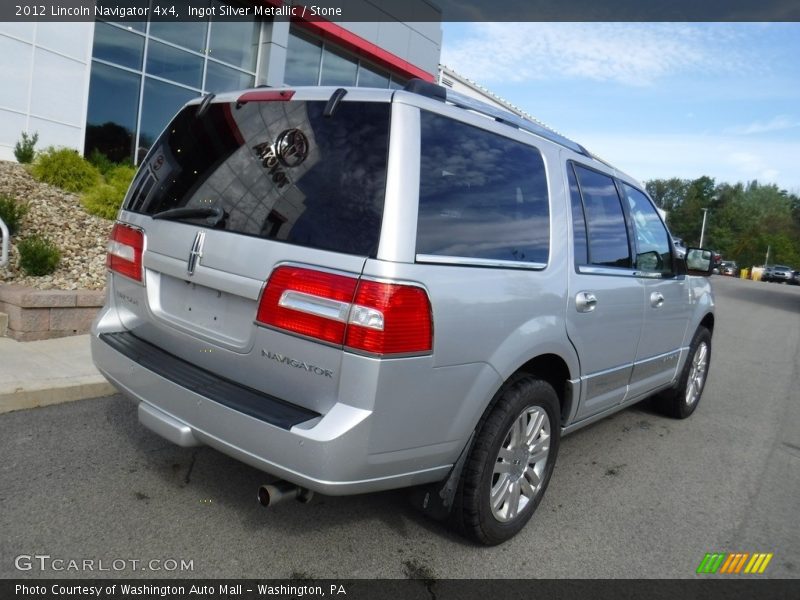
356, 290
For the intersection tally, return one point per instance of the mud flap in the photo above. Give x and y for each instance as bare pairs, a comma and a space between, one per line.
435, 500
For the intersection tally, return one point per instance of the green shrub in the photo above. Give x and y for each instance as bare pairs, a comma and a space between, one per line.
12, 212
24, 151
101, 161
104, 164
66, 169
104, 199
38, 255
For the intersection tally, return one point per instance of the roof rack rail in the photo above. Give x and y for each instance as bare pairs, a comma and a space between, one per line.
438, 92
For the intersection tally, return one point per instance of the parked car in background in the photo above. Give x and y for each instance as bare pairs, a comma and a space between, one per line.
779, 274
795, 280
765, 274
729, 267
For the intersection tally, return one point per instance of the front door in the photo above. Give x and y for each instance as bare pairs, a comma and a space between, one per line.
666, 302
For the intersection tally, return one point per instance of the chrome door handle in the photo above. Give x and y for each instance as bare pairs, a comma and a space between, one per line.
585, 302
656, 300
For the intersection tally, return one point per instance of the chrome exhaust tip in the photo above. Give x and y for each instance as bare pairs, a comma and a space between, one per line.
275, 493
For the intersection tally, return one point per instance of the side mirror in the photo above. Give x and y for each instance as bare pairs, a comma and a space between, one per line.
699, 261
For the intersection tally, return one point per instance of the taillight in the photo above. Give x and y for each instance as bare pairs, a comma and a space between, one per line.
358, 314
125, 248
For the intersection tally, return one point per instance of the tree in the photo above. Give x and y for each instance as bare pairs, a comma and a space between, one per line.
743, 219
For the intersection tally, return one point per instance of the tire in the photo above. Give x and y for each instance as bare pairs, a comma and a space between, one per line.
681, 401
509, 463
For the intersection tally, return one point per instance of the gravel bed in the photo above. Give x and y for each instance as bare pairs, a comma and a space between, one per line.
59, 216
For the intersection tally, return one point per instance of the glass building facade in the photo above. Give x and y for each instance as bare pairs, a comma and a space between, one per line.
315, 62
119, 83
143, 73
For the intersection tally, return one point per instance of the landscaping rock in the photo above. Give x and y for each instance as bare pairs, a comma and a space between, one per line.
59, 216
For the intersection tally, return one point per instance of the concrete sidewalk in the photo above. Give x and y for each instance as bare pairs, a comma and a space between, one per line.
48, 372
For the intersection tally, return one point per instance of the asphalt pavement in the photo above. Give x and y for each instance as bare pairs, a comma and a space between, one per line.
636, 495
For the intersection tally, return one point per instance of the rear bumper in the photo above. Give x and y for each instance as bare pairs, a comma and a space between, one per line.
326, 453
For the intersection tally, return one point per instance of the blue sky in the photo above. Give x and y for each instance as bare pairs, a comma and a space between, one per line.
657, 100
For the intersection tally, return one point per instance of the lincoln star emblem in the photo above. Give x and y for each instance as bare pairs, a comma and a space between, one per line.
291, 147
196, 252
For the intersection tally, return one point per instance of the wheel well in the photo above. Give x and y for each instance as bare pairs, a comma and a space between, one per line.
708, 322
552, 369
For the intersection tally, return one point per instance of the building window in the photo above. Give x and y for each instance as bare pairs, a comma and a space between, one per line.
303, 58
312, 62
337, 69
372, 78
234, 43
113, 112
118, 46
143, 72
157, 109
176, 65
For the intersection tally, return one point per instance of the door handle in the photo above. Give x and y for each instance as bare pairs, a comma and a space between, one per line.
656, 300
585, 302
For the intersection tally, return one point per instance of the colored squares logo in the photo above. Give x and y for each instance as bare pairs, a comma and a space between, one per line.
734, 563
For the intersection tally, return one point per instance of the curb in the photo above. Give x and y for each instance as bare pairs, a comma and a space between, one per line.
47, 395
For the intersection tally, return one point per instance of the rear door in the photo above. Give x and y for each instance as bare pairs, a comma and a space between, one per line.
231, 191
605, 306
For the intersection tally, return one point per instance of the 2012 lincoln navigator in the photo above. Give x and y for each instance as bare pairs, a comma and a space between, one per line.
355, 290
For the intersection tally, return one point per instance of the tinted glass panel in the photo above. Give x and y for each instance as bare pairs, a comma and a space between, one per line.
224, 79
132, 25
234, 42
652, 240
118, 46
113, 106
176, 65
608, 237
370, 78
578, 220
279, 170
481, 195
161, 102
337, 70
302, 61
190, 34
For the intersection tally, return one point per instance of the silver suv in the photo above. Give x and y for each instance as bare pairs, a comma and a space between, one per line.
356, 290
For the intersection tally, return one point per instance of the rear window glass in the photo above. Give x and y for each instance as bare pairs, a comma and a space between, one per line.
482, 196
279, 170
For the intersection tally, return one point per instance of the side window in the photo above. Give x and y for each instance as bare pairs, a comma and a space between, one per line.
605, 221
652, 240
481, 196
578, 220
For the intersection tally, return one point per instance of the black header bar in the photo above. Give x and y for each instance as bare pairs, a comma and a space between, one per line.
404, 10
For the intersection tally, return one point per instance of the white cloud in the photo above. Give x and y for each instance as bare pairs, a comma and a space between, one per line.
636, 54
779, 123
725, 158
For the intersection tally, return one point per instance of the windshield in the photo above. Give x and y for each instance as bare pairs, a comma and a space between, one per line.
277, 170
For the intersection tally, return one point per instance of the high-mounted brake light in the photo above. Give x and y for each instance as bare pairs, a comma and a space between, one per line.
125, 247
358, 314
265, 96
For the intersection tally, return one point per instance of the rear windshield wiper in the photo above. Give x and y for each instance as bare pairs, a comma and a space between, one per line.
213, 214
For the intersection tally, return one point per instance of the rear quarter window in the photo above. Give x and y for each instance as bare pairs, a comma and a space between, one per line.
482, 196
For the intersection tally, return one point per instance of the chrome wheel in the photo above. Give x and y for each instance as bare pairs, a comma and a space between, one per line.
697, 374
519, 467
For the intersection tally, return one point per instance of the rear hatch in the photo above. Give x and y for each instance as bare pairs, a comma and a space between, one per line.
233, 189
